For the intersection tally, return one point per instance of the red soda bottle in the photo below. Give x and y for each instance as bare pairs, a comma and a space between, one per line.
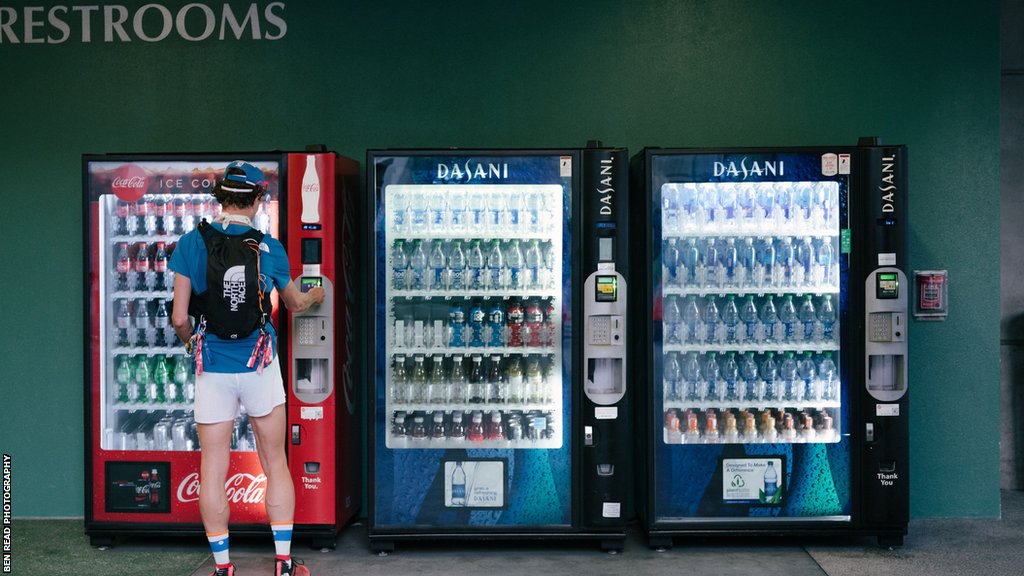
549, 323
476, 428
123, 213
159, 216
534, 322
124, 265
141, 266
514, 317
160, 266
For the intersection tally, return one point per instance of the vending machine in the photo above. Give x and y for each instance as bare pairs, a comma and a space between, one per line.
500, 399
142, 449
773, 291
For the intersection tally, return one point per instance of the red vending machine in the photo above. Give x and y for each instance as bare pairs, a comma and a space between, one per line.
142, 449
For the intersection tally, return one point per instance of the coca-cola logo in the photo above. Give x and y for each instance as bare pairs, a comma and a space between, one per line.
129, 183
241, 488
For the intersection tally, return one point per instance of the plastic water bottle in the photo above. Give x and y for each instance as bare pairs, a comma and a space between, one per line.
418, 211
713, 389
670, 207
828, 375
457, 267
805, 202
748, 315
809, 318
436, 382
769, 372
672, 318
457, 322
671, 259
789, 319
418, 381
787, 262
438, 264
475, 267
514, 261
515, 214
691, 260
731, 376
709, 204
534, 263
477, 211
457, 389
477, 317
399, 384
748, 261
691, 318
805, 260
711, 264
731, 318
784, 197
549, 265
769, 318
766, 199
825, 256
418, 266
673, 373
787, 371
766, 275
711, 319
534, 211
437, 211
749, 374
496, 210
691, 376
806, 371
495, 268
727, 202
730, 258
458, 208
746, 200
827, 317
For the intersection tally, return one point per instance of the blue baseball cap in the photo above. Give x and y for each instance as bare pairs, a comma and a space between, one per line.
242, 172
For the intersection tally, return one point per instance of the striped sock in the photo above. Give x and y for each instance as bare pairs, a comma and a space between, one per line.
219, 545
282, 540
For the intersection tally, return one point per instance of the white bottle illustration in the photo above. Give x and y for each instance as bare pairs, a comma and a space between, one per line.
310, 192
771, 482
458, 485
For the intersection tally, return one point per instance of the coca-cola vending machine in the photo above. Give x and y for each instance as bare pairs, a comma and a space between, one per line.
142, 449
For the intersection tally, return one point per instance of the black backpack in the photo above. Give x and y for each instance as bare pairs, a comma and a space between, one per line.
234, 304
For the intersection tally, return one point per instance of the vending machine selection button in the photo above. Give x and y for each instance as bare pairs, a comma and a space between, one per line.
296, 434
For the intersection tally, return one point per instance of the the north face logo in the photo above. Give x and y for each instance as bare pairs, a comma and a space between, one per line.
234, 286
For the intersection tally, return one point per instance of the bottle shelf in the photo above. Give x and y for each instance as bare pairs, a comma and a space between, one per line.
503, 294
152, 406
148, 350
801, 437
763, 229
484, 235
484, 407
147, 294
468, 351
759, 405
741, 291
756, 347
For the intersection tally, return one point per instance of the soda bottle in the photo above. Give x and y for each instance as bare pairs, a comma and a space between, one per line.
477, 393
457, 267
731, 434
476, 427
827, 317
399, 381
398, 430
671, 258
710, 427
418, 381
769, 371
123, 377
142, 266
825, 255
711, 319
475, 267
712, 378
691, 260
399, 265
497, 429
161, 376
124, 323
534, 381
748, 371
808, 317
516, 393
672, 319
497, 390
806, 371
730, 258
142, 322
691, 376
748, 315
731, 318
673, 374
496, 324
731, 376
789, 319
143, 376
476, 324
515, 318
161, 322
550, 318
418, 266
691, 319
514, 260
534, 265
181, 219
828, 376
438, 263
436, 383
458, 392
534, 323
180, 377
495, 268
458, 429
143, 224
769, 318
805, 260
160, 267
121, 212
458, 483
124, 265
418, 430
673, 435
712, 261
692, 428
159, 212
787, 371
457, 321
437, 431
787, 262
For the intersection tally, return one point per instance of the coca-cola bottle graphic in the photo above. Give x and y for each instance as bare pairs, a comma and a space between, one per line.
142, 490
310, 192
154, 488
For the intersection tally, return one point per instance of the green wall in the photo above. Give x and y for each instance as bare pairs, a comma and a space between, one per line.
356, 75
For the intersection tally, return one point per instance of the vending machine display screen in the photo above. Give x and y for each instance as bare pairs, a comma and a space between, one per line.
606, 288
308, 282
887, 286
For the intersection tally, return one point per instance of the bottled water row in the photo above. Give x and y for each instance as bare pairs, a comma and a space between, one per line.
458, 380
505, 210
750, 378
735, 426
749, 206
475, 426
750, 262
757, 321
452, 266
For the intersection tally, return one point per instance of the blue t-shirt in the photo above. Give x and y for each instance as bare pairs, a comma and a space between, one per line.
189, 260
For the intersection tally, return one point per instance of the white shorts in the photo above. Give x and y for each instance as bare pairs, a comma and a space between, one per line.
219, 395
